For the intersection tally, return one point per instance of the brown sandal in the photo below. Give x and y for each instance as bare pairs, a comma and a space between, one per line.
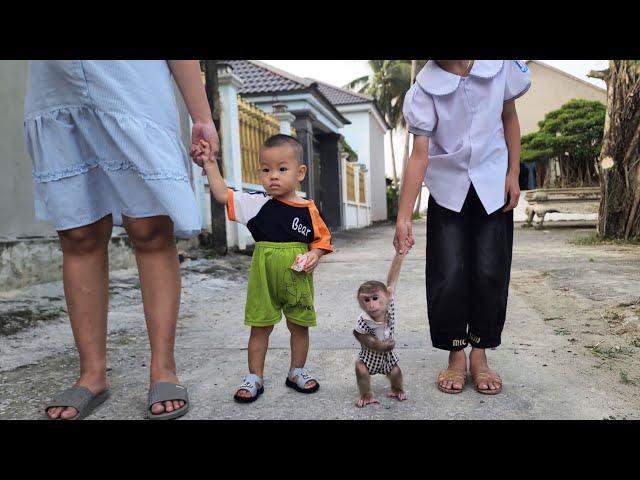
486, 377
455, 376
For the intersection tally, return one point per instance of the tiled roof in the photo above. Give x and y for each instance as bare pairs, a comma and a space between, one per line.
341, 96
259, 77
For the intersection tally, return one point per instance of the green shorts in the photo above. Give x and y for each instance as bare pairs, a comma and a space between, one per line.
275, 289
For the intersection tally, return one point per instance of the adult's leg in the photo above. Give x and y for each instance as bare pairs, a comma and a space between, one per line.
447, 283
85, 276
492, 245
160, 282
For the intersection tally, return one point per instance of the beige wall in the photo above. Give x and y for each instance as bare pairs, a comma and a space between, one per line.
549, 90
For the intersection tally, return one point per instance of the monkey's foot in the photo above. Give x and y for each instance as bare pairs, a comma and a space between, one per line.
365, 400
400, 395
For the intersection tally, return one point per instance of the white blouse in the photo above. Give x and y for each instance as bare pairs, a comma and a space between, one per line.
463, 118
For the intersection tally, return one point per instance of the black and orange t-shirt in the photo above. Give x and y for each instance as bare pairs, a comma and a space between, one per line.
272, 220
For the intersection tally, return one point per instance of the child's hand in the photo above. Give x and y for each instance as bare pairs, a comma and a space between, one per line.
403, 239
203, 153
511, 191
313, 257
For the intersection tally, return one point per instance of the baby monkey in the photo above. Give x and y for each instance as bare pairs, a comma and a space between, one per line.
375, 332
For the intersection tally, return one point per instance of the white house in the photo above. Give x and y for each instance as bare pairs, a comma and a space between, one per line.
365, 134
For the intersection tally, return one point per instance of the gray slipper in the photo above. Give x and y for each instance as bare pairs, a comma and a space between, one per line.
78, 397
163, 392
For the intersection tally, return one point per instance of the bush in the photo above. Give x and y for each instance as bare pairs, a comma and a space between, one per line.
393, 196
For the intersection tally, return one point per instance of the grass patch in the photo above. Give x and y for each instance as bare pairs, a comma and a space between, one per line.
14, 321
594, 239
613, 315
561, 331
624, 378
608, 352
630, 304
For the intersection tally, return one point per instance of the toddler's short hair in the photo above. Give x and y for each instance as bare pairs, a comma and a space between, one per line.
371, 287
281, 139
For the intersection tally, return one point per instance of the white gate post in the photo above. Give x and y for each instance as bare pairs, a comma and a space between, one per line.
228, 84
284, 117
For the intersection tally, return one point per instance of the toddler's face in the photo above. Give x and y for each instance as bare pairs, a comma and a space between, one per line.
375, 303
280, 171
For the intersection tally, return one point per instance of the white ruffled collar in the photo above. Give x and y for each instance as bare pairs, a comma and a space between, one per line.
436, 81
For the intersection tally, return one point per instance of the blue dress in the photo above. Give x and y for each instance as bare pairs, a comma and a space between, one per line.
104, 138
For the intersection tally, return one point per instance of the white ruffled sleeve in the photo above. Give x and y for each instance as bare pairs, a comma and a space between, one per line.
518, 79
419, 111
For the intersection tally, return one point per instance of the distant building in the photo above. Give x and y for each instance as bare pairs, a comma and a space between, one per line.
550, 89
365, 134
317, 123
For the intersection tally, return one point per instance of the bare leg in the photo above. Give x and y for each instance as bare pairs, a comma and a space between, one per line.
395, 377
478, 364
299, 343
364, 385
160, 282
257, 351
85, 276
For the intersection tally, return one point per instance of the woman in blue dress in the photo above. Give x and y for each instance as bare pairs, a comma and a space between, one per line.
104, 139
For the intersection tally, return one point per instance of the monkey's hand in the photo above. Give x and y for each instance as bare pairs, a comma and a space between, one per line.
388, 345
370, 342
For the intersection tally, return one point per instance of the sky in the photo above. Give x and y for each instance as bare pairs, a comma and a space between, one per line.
341, 72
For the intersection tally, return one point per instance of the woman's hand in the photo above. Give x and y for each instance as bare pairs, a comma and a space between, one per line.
403, 239
204, 131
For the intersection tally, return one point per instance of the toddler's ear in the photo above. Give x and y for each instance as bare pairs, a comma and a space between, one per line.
302, 172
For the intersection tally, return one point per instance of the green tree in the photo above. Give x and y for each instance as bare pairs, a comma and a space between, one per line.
571, 134
387, 84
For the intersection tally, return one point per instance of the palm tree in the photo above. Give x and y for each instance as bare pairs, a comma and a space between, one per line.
387, 84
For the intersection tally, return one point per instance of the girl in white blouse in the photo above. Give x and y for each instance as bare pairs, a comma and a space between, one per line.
466, 148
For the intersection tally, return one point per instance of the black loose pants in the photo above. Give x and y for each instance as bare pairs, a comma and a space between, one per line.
467, 273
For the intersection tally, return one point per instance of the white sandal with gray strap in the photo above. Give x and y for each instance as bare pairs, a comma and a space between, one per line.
249, 384
303, 378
